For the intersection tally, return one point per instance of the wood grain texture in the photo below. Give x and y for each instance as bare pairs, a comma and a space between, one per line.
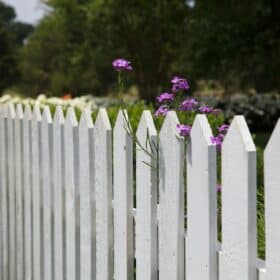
58, 188
4, 193
171, 201
146, 199
85, 128
70, 147
11, 191
103, 188
27, 189
272, 204
36, 192
123, 198
46, 151
239, 247
19, 191
201, 240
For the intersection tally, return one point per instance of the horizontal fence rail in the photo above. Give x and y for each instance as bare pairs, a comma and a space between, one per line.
87, 200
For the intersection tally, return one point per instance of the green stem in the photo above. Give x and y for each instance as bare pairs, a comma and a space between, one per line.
120, 85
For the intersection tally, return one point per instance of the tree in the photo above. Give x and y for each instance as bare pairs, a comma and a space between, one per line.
71, 50
12, 35
235, 42
87, 35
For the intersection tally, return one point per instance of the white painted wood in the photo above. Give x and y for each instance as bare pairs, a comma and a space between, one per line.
58, 186
261, 269
103, 189
27, 190
46, 150
146, 199
4, 193
239, 247
11, 191
171, 201
123, 198
85, 128
262, 274
201, 203
19, 191
36, 192
70, 193
272, 204
1, 210
93, 201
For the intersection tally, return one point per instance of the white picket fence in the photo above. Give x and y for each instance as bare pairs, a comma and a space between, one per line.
67, 200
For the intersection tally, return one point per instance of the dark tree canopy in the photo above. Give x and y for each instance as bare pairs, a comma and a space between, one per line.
12, 35
235, 42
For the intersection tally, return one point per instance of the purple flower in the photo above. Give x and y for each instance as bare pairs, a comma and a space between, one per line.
188, 104
217, 140
216, 111
179, 84
218, 188
161, 111
175, 80
184, 129
223, 128
205, 109
165, 97
121, 64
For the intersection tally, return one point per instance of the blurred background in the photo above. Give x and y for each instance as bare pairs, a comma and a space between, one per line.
61, 52
228, 50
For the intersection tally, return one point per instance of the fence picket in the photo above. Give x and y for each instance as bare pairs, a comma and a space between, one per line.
71, 126
123, 198
272, 205
85, 129
58, 186
103, 194
201, 203
4, 194
36, 192
27, 192
11, 191
46, 149
146, 199
56, 205
171, 201
19, 191
239, 248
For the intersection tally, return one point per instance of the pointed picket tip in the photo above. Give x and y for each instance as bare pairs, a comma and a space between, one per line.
58, 115
239, 128
122, 121
71, 117
11, 111
19, 111
86, 119
102, 120
201, 129
274, 140
146, 125
27, 112
4, 111
169, 125
36, 116
47, 117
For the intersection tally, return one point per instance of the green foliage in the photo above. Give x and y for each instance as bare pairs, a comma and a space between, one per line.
261, 110
72, 49
237, 41
12, 35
